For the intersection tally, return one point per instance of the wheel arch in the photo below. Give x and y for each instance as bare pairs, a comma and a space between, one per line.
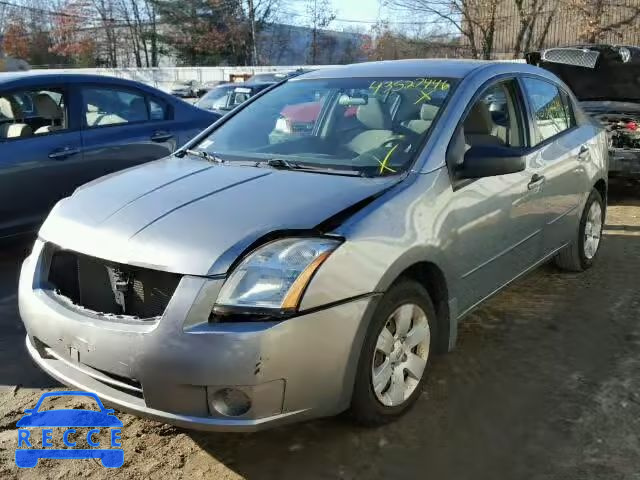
433, 278
601, 187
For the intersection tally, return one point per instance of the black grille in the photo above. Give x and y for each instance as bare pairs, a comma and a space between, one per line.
111, 288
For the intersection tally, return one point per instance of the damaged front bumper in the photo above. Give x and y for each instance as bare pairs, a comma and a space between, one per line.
183, 370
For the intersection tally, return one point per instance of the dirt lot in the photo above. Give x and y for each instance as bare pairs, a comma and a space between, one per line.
544, 384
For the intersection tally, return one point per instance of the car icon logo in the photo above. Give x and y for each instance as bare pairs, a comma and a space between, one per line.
27, 456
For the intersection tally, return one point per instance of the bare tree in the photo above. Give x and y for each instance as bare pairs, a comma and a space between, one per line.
412, 42
601, 18
474, 20
530, 14
258, 13
3, 20
320, 15
106, 10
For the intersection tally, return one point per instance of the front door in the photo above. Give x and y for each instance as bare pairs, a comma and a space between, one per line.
498, 219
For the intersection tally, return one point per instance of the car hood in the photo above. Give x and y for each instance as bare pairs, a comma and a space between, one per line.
187, 216
594, 72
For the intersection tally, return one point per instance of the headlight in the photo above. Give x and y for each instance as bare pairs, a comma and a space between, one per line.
275, 275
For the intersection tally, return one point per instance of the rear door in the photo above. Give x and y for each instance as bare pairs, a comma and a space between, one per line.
40, 166
122, 127
560, 148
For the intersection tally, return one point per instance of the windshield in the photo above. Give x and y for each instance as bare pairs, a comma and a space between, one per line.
374, 126
216, 99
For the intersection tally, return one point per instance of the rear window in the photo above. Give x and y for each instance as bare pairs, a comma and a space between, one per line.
107, 106
550, 111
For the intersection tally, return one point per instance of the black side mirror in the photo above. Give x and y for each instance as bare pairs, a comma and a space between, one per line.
491, 160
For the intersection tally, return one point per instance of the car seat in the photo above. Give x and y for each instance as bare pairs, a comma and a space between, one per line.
377, 121
50, 111
11, 114
427, 113
479, 127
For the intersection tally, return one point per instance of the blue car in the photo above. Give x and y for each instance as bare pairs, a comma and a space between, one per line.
59, 131
110, 457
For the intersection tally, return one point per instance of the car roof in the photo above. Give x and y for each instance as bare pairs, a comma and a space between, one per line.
404, 68
35, 78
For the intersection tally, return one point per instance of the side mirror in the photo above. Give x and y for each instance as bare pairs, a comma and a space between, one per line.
491, 160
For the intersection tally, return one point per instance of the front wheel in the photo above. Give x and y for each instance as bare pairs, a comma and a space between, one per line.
395, 354
581, 253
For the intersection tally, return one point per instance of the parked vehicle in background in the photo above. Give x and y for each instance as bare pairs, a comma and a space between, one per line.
208, 86
224, 98
188, 89
8, 64
244, 283
58, 131
274, 77
606, 81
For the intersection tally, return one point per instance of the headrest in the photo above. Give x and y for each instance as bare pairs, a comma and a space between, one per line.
10, 109
137, 110
428, 112
16, 130
46, 107
478, 120
373, 115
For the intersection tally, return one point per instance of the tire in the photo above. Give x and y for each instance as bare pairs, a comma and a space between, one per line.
577, 257
368, 408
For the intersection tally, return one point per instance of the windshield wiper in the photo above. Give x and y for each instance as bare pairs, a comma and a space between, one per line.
209, 157
282, 164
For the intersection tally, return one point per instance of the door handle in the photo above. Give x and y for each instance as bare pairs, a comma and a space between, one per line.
536, 181
161, 136
63, 153
583, 153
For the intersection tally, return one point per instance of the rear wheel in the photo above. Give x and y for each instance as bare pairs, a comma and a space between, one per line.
395, 354
582, 252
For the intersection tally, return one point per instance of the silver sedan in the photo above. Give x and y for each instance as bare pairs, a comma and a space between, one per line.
312, 251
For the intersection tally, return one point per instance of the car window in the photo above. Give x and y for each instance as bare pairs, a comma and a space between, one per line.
549, 110
26, 103
107, 106
29, 113
494, 118
239, 96
157, 110
216, 99
568, 105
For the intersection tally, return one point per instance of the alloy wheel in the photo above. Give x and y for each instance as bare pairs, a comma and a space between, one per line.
593, 230
401, 355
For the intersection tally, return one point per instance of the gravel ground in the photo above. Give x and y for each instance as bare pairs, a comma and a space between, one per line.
544, 384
